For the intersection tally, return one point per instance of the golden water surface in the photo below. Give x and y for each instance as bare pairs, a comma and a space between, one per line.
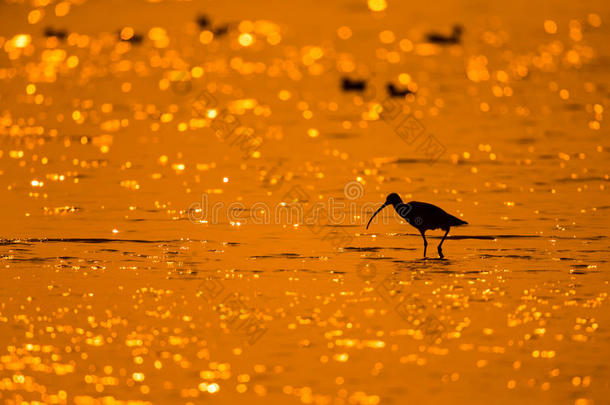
184, 188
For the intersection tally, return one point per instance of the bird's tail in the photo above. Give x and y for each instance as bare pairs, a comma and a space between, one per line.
457, 222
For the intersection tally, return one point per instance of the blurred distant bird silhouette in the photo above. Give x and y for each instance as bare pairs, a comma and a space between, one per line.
51, 32
205, 22
422, 216
440, 39
348, 84
394, 91
135, 39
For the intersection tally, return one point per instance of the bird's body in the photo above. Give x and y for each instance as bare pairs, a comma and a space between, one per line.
221, 30
423, 217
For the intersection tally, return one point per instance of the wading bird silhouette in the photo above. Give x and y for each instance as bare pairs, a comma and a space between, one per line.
422, 216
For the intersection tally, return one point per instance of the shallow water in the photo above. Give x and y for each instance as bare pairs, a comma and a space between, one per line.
151, 253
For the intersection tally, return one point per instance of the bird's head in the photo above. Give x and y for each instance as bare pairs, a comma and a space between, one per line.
458, 30
392, 199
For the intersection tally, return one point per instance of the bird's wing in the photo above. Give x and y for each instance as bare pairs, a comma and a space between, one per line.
433, 216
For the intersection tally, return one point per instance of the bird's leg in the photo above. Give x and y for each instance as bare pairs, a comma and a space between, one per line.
440, 249
423, 235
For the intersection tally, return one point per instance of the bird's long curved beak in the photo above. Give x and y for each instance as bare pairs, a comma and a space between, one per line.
376, 212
